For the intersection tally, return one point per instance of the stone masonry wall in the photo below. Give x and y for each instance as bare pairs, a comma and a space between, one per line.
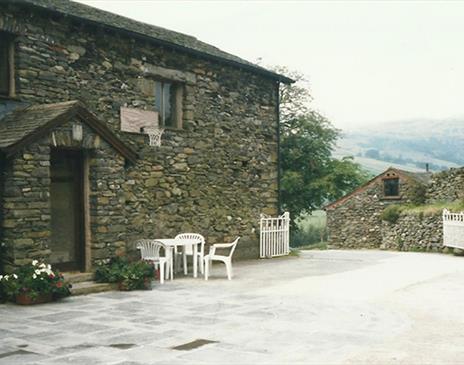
214, 176
26, 205
414, 232
446, 186
356, 223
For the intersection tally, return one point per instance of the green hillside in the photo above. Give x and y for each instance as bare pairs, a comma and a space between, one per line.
408, 145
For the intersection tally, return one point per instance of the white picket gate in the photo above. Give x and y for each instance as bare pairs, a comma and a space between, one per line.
274, 236
453, 229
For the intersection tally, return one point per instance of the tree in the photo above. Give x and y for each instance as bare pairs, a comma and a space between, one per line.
310, 176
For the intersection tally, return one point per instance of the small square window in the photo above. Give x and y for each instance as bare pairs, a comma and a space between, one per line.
168, 104
391, 187
6, 64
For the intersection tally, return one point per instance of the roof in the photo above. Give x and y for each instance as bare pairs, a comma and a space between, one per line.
162, 36
24, 126
420, 177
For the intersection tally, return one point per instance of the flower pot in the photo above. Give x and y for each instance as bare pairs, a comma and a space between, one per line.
147, 283
122, 286
26, 299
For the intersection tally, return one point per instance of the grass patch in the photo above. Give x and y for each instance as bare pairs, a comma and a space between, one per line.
393, 212
435, 208
311, 229
315, 246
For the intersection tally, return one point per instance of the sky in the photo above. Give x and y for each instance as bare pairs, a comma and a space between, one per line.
367, 61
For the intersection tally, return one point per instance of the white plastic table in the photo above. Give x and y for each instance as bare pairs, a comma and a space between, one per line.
171, 243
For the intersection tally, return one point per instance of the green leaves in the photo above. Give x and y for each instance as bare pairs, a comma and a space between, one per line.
310, 176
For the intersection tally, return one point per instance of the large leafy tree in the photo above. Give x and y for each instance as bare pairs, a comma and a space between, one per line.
310, 175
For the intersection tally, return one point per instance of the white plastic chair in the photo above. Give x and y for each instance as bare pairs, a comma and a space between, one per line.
188, 250
227, 260
150, 251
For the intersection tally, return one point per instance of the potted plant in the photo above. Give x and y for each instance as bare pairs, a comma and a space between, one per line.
136, 275
34, 283
129, 275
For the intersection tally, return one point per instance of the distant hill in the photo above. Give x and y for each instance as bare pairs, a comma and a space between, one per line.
408, 145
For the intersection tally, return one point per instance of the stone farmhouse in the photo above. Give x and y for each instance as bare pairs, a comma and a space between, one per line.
355, 220
79, 184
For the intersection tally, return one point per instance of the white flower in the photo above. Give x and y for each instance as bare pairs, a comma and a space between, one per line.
15, 276
42, 266
34, 276
6, 277
37, 272
34, 262
1, 277
49, 267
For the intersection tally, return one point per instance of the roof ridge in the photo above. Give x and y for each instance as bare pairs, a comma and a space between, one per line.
162, 36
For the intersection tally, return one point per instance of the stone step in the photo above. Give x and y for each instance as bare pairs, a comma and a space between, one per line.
89, 287
78, 277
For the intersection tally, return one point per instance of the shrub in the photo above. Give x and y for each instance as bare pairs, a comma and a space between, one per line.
133, 275
130, 275
392, 213
111, 272
417, 193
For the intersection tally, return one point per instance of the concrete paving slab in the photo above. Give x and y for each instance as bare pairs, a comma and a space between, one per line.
324, 307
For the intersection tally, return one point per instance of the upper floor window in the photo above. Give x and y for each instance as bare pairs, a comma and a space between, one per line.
168, 103
391, 187
6, 65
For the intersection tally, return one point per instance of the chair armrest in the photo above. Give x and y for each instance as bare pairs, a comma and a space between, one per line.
213, 247
223, 245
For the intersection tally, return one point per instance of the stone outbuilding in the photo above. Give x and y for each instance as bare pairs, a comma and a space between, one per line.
354, 221
79, 183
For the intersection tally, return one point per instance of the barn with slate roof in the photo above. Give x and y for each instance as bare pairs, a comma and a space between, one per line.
79, 183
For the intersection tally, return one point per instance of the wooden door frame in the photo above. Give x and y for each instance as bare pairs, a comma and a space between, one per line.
81, 199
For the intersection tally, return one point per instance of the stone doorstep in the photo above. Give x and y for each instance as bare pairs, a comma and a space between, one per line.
78, 277
82, 283
89, 287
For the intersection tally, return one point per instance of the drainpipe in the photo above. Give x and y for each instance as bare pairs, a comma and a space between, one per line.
279, 202
2, 177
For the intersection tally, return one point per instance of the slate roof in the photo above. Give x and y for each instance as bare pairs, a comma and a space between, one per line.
160, 35
25, 125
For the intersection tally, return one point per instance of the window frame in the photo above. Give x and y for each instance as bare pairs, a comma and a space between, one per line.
391, 196
176, 105
10, 42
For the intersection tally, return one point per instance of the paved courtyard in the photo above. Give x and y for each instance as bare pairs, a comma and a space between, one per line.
325, 307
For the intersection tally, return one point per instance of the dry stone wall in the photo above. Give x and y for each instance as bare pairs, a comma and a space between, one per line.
214, 176
446, 186
414, 232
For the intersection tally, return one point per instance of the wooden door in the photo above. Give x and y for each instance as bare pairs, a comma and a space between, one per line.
67, 210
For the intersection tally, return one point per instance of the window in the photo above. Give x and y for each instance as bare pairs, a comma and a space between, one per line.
391, 187
6, 65
168, 103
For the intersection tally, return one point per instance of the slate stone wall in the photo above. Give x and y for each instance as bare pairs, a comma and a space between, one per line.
26, 205
214, 176
414, 232
446, 186
356, 222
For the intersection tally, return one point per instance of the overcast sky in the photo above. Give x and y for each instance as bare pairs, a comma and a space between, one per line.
367, 61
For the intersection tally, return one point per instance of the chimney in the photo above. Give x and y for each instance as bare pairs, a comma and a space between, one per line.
427, 167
